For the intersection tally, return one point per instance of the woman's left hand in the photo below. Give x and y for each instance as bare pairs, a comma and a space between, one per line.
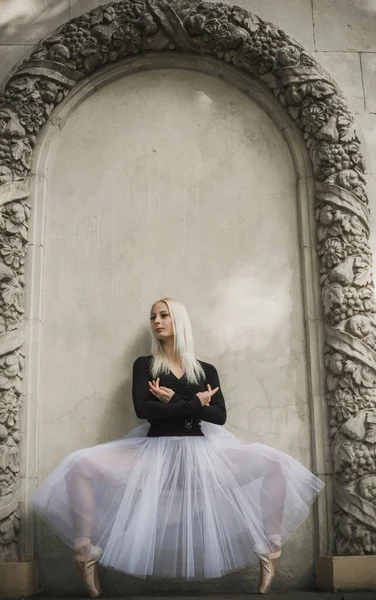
162, 393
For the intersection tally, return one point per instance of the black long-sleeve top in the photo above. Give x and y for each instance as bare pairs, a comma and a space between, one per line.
182, 415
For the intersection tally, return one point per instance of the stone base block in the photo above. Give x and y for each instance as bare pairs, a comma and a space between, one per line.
18, 579
346, 573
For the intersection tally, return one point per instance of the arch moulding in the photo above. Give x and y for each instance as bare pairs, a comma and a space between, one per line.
251, 54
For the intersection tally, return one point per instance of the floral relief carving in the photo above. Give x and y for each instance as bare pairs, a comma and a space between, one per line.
9, 530
312, 99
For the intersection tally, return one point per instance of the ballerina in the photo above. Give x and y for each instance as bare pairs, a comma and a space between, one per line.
179, 496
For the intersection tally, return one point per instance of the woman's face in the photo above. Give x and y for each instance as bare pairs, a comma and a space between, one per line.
161, 322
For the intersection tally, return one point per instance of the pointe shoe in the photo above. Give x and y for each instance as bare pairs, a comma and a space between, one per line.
268, 568
86, 558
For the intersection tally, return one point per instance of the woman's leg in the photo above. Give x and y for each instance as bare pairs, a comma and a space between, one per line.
107, 466
273, 495
82, 478
81, 495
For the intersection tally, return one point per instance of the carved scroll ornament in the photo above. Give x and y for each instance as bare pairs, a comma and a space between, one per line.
231, 34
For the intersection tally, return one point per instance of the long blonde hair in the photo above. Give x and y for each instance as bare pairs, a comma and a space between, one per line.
183, 344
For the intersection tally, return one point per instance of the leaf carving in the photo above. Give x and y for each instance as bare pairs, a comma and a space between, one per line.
322, 233
363, 274
332, 294
361, 375
5, 383
21, 150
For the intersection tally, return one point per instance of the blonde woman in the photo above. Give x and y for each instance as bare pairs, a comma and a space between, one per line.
179, 496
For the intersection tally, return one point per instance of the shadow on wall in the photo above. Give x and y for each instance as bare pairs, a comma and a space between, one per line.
121, 418
252, 297
22, 20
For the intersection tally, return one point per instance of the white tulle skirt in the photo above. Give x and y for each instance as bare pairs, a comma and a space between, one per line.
190, 507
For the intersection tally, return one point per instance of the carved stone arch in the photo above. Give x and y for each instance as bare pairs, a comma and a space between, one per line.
259, 50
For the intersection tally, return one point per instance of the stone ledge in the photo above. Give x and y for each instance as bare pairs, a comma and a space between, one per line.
18, 579
293, 595
346, 573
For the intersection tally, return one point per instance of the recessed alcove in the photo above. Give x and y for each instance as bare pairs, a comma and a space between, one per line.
156, 179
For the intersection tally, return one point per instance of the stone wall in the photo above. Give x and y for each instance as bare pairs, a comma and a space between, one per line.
320, 31
339, 33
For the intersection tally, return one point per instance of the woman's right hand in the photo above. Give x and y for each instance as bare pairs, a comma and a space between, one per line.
205, 397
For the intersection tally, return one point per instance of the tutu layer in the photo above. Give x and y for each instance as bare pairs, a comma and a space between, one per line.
190, 507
